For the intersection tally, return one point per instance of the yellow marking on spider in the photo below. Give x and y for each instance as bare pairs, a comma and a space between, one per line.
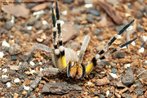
63, 62
89, 68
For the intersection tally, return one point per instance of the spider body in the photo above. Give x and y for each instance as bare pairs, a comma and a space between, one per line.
75, 68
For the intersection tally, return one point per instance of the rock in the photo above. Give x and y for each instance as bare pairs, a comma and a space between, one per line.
128, 78
114, 70
35, 83
142, 75
97, 32
8, 84
60, 88
93, 12
69, 31
125, 95
1, 54
16, 80
50, 71
90, 18
38, 25
113, 75
68, 1
3, 31
14, 49
40, 6
5, 44
103, 81
8, 25
119, 55
5, 80
139, 91
101, 96
140, 28
30, 5
16, 10
31, 21
139, 14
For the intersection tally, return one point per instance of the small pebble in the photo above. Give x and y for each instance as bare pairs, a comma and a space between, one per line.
8, 84
5, 70
97, 32
38, 25
64, 12
29, 27
89, 5
141, 50
17, 80
93, 12
133, 43
1, 54
38, 13
4, 76
8, 25
32, 63
90, 84
119, 54
113, 75
68, 1
127, 66
26, 87
114, 70
128, 78
5, 44
139, 91
107, 93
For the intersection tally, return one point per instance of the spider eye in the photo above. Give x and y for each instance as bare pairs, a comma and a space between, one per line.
76, 71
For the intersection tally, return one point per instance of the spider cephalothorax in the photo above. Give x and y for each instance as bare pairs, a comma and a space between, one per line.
74, 68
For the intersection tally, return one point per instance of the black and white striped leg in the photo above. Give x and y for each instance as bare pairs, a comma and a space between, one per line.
114, 38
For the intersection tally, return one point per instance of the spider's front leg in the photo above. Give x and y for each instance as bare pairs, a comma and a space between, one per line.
58, 49
102, 53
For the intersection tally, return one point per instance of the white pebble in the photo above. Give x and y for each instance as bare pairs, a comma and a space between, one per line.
144, 38
88, 5
44, 22
29, 27
32, 71
5, 70
113, 75
64, 12
133, 43
107, 93
17, 80
1, 54
32, 63
26, 87
4, 76
141, 50
8, 84
5, 44
38, 12
127, 66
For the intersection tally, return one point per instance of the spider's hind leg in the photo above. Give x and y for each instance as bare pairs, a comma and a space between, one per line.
101, 55
115, 37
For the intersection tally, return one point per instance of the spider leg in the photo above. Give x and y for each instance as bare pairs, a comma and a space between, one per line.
115, 37
62, 60
101, 55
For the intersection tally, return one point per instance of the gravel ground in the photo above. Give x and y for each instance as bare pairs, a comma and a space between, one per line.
26, 66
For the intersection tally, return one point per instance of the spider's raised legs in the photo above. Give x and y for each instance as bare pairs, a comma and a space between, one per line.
102, 53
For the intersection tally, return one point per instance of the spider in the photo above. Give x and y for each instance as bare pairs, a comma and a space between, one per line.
75, 69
